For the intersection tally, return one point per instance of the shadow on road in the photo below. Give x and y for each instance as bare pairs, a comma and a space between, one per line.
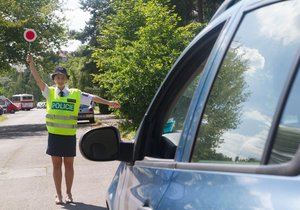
82, 206
15, 131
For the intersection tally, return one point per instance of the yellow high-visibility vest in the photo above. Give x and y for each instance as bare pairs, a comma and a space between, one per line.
62, 112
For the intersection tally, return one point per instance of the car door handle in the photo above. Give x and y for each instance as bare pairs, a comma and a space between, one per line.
145, 208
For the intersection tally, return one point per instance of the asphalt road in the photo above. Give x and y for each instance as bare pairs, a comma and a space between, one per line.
26, 171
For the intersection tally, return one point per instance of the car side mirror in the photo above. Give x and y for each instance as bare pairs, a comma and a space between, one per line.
104, 144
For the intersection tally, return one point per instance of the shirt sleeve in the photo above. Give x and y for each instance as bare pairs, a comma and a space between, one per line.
46, 92
86, 98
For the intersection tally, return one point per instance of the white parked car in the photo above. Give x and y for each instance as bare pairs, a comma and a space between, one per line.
41, 105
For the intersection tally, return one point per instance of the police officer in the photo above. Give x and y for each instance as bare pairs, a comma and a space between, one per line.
61, 121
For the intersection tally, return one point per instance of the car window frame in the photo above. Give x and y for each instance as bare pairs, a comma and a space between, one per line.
291, 168
283, 100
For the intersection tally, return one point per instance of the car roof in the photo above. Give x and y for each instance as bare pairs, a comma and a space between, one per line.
227, 4
228, 9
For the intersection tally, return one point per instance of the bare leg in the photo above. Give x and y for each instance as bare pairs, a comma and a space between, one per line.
57, 175
69, 175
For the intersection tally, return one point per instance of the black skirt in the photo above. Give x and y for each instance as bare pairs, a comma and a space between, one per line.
62, 146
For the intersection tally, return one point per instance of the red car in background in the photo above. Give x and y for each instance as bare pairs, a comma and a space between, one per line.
8, 106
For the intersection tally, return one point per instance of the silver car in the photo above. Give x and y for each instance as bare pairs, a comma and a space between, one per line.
41, 105
86, 113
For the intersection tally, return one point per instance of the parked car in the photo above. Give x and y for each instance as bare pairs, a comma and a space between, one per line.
223, 130
3, 105
86, 113
1, 110
41, 105
8, 106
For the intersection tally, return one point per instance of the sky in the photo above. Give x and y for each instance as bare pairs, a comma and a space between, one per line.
76, 20
75, 16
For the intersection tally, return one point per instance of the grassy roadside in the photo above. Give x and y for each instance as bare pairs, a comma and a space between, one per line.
96, 110
2, 118
127, 131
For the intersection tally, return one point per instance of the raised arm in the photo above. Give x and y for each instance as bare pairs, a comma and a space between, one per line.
35, 73
113, 104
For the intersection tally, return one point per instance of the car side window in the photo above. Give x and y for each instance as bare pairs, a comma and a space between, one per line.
287, 138
175, 121
176, 118
166, 116
243, 99
183, 88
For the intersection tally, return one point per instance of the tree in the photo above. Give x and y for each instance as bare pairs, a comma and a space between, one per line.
196, 10
139, 43
17, 82
102, 11
15, 16
80, 63
99, 10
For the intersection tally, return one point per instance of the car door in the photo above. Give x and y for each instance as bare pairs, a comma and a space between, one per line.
241, 151
142, 184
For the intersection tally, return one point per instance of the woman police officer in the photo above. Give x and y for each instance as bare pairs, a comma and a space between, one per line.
61, 121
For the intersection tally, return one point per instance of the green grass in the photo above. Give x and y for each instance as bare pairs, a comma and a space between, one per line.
96, 109
127, 130
2, 118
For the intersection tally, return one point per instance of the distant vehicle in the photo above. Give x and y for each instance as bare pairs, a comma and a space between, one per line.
1, 110
7, 105
23, 101
86, 113
41, 105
